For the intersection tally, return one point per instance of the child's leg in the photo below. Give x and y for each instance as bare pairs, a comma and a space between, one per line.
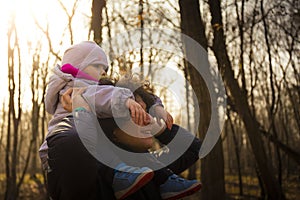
171, 186
189, 156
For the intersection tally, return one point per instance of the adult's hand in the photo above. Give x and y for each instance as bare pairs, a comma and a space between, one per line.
78, 100
138, 114
72, 99
66, 100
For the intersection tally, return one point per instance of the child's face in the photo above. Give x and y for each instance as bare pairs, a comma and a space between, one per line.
140, 101
96, 71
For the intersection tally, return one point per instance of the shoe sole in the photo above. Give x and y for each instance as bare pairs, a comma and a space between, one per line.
135, 186
196, 187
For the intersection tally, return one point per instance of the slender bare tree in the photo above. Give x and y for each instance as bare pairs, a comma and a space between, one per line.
14, 113
240, 101
212, 173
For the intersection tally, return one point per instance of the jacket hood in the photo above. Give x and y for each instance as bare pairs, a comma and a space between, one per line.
57, 82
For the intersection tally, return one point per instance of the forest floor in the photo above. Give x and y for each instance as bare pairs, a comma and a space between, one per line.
252, 191
33, 188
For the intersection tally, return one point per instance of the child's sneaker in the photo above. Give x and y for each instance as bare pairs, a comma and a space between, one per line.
176, 187
128, 180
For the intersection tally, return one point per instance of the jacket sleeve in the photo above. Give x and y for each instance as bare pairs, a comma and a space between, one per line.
157, 101
108, 101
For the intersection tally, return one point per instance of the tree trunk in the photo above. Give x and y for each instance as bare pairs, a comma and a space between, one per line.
237, 154
96, 24
240, 101
272, 111
212, 166
14, 118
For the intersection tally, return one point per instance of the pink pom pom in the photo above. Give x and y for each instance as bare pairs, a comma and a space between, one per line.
75, 72
69, 69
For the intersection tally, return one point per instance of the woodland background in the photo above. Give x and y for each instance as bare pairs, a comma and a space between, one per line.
254, 43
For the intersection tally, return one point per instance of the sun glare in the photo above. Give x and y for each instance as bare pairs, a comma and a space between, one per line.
31, 18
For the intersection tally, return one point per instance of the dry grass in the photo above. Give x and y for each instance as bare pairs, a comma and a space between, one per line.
251, 189
33, 188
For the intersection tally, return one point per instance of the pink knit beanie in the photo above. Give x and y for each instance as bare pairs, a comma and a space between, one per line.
83, 54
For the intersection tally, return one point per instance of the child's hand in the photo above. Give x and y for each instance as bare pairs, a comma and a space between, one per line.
161, 113
157, 126
169, 121
138, 114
